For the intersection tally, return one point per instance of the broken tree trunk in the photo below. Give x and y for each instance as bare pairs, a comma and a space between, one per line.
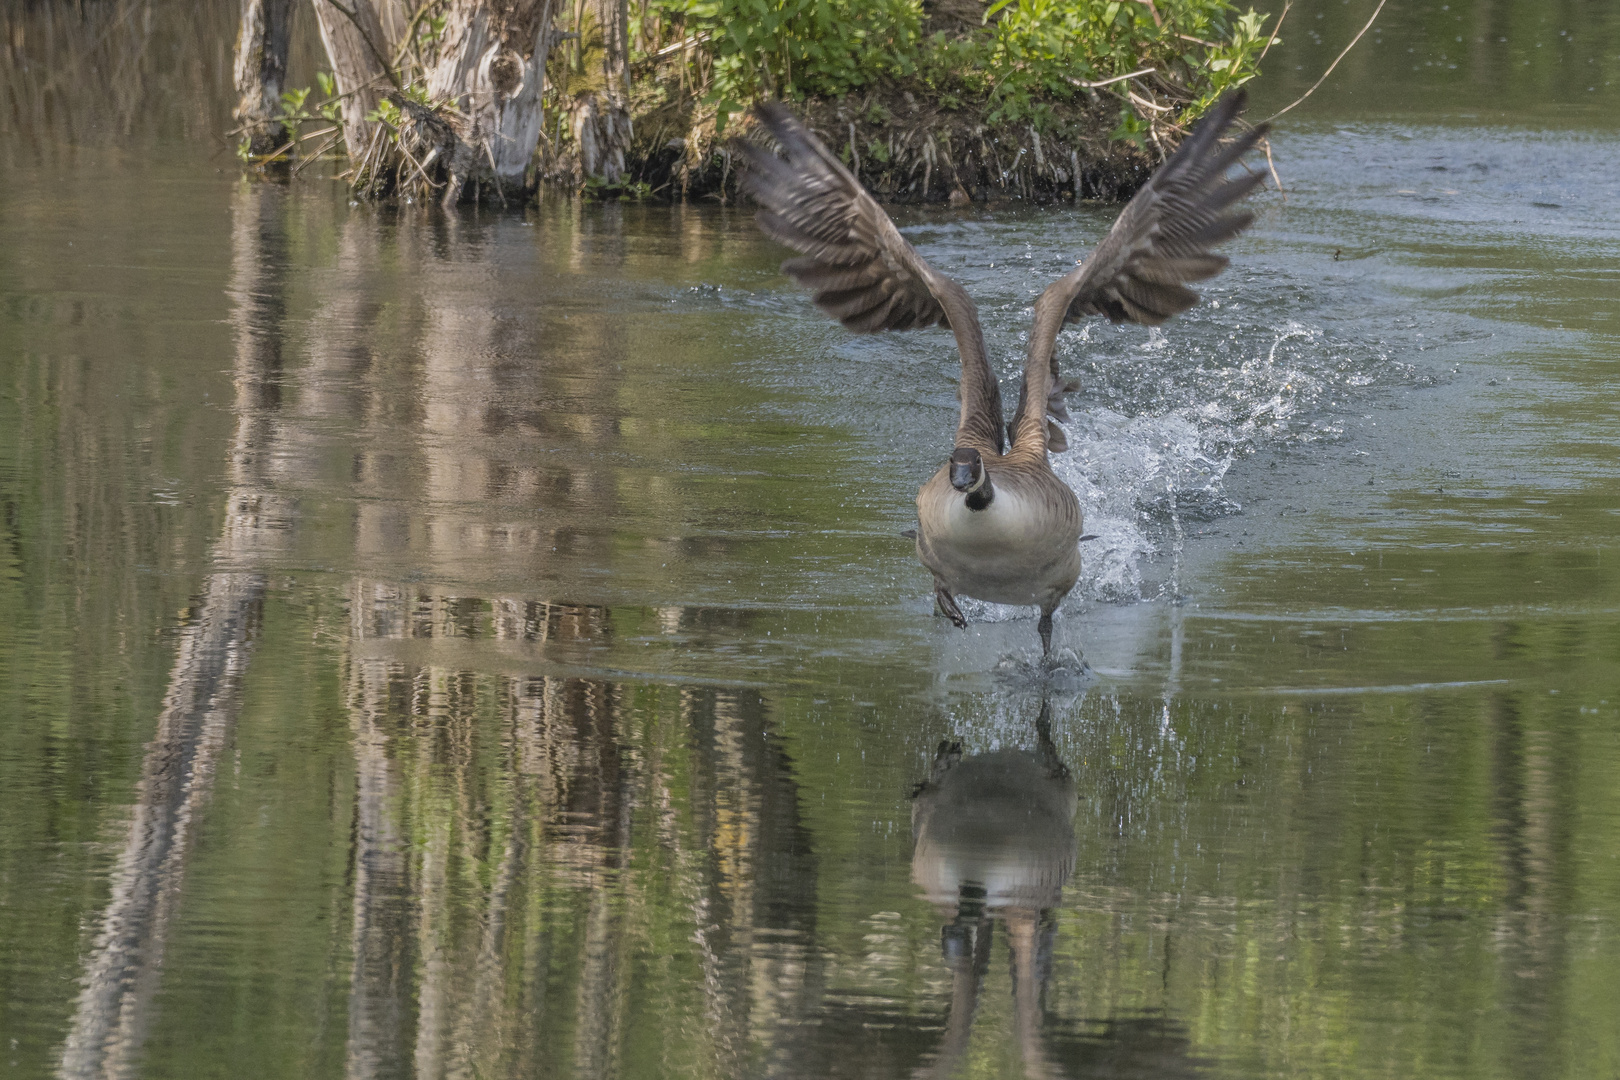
491, 69
261, 71
481, 73
601, 119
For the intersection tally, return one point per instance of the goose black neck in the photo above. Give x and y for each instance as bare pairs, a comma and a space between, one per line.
981, 496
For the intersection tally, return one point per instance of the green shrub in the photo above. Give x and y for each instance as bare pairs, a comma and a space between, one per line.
1029, 53
793, 48
1037, 51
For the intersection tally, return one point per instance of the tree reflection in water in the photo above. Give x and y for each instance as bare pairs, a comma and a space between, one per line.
496, 939
492, 815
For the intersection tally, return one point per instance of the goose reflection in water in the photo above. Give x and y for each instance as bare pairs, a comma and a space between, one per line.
995, 842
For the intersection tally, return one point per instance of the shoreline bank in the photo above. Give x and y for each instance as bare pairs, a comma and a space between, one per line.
902, 147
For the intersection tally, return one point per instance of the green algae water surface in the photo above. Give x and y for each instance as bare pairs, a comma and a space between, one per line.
483, 645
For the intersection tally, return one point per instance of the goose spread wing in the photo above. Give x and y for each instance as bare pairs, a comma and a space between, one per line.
1163, 237
858, 267
1139, 272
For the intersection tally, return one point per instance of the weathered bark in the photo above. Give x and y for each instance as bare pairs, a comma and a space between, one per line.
261, 71
124, 967
601, 119
602, 132
360, 52
484, 75
492, 68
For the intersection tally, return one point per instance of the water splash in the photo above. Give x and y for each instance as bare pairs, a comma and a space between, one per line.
1159, 423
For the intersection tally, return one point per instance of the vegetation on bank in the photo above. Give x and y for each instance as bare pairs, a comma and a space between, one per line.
949, 99
1014, 59
953, 99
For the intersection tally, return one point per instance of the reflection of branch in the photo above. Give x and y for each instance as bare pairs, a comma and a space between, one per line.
383, 935
205, 687
1333, 65
482, 1024
124, 15
121, 974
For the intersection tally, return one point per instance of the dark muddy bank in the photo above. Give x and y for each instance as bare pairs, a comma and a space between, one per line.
903, 147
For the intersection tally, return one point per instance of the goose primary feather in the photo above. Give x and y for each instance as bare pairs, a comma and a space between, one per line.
995, 522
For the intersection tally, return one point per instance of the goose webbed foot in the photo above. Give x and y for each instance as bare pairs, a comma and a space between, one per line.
945, 604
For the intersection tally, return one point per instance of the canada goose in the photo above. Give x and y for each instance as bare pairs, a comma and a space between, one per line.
996, 522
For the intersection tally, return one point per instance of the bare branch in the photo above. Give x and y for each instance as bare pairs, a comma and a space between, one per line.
1110, 82
1335, 63
1272, 40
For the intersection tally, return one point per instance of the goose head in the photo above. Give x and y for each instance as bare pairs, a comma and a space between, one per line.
968, 476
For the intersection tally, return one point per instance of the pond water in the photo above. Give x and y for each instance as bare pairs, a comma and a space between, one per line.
484, 645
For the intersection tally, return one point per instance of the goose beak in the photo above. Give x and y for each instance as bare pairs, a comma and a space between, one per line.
962, 475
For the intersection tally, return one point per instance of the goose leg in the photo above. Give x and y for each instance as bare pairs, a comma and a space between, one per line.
1048, 750
945, 604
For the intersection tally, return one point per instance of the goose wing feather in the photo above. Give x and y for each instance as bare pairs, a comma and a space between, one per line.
1139, 273
850, 249
1161, 240
857, 266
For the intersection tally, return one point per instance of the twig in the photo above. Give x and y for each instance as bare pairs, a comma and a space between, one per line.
678, 47
1272, 40
378, 160
358, 167
411, 158
306, 115
1146, 104
1272, 165
317, 155
421, 169
1335, 63
1109, 82
1198, 41
409, 37
268, 158
490, 154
